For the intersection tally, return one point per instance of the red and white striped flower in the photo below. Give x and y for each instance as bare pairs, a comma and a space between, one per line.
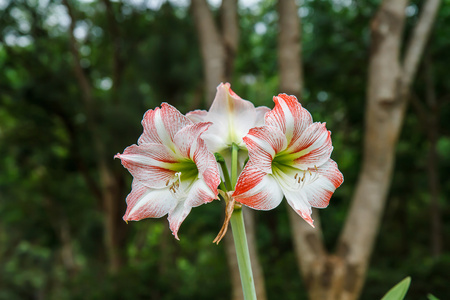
172, 169
290, 157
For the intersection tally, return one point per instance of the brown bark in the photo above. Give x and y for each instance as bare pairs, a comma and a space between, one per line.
109, 185
341, 275
211, 46
428, 115
230, 35
289, 48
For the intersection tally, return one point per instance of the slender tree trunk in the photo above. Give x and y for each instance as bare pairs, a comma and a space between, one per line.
433, 161
211, 46
341, 275
110, 186
289, 48
219, 50
429, 119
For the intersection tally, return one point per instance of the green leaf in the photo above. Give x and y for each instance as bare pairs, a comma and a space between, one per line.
398, 292
431, 297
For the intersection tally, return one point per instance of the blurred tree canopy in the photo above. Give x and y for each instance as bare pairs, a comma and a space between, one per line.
135, 55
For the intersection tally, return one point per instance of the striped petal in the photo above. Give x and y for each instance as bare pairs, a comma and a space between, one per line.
311, 188
161, 125
149, 163
144, 202
197, 115
289, 116
262, 144
186, 140
177, 216
257, 189
200, 193
313, 147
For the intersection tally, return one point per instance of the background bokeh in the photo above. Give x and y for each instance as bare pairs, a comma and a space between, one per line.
55, 142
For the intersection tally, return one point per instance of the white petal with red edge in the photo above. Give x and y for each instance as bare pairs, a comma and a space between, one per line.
177, 216
313, 147
197, 115
289, 116
200, 193
310, 188
263, 143
231, 115
186, 139
257, 189
207, 166
149, 163
144, 202
161, 125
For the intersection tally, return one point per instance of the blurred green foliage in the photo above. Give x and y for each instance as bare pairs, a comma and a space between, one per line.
51, 224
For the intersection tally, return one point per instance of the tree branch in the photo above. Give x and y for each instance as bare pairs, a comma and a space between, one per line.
418, 40
79, 73
118, 62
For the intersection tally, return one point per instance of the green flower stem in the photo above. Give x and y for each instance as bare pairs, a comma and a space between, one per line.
240, 238
221, 161
234, 164
243, 256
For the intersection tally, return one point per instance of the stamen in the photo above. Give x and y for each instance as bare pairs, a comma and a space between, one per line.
296, 174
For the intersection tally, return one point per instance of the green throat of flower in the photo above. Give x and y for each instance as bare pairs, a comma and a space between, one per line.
283, 162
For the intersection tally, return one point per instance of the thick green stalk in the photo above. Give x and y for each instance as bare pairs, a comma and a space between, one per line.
240, 238
243, 256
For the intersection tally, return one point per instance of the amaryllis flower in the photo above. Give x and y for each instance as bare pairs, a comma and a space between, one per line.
290, 157
232, 117
172, 169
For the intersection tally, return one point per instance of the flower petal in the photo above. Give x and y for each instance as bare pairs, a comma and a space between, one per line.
313, 188
177, 216
161, 125
313, 147
289, 116
197, 115
149, 163
262, 144
186, 139
232, 117
200, 193
207, 167
257, 189
144, 202
260, 115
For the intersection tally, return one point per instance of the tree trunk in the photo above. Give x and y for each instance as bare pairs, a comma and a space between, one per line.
341, 275
429, 119
289, 48
211, 46
110, 186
